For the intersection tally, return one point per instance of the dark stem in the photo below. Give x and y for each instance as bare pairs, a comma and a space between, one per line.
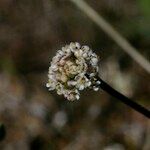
123, 98
2, 132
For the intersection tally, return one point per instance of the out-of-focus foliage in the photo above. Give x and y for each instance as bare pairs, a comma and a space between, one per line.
144, 23
144, 5
30, 33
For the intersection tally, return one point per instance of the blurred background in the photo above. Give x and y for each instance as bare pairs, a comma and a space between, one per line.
31, 31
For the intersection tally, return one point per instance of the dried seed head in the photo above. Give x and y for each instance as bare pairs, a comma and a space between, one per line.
73, 69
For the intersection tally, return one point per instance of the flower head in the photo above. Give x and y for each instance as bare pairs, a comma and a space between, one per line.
73, 69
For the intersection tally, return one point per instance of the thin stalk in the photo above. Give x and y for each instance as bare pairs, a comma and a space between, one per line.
132, 104
2, 131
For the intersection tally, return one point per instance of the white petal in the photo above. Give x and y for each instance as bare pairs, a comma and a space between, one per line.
77, 97
47, 85
95, 88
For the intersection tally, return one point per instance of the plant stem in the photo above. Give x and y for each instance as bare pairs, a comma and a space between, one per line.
2, 131
124, 99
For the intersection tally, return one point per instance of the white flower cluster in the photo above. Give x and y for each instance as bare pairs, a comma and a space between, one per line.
73, 69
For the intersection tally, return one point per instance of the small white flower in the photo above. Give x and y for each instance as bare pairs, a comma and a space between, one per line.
73, 69
88, 83
48, 85
95, 88
94, 61
72, 83
77, 97
81, 87
98, 82
85, 48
